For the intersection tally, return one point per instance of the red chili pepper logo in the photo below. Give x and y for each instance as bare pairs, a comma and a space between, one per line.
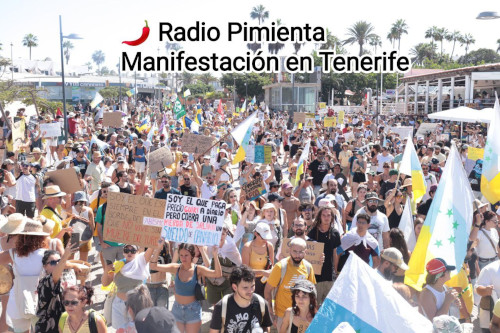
140, 40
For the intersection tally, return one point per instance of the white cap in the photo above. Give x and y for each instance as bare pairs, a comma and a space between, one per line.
325, 203
263, 230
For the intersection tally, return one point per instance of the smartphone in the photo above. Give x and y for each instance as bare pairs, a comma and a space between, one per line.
75, 238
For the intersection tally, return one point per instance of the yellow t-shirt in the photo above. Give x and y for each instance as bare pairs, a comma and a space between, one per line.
293, 273
173, 166
496, 309
48, 213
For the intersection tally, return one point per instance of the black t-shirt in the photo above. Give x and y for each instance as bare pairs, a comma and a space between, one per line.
189, 191
82, 165
386, 187
331, 239
237, 318
319, 171
423, 209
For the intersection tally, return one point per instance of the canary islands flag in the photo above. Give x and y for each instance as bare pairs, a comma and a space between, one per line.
187, 93
242, 134
199, 114
357, 297
447, 225
253, 101
243, 107
144, 125
302, 160
97, 99
490, 177
131, 92
410, 166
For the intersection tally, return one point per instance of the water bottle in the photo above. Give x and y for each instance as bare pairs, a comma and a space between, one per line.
256, 328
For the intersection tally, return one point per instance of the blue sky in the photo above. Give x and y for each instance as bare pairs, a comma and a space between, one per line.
106, 23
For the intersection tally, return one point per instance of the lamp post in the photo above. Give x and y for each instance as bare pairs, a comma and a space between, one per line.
120, 78
488, 16
70, 36
12, 61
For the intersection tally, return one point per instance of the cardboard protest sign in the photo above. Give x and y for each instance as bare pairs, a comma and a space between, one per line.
341, 117
190, 220
330, 122
112, 119
403, 131
426, 128
159, 159
349, 136
445, 137
262, 154
314, 252
310, 122
66, 179
17, 135
254, 189
51, 130
299, 117
124, 219
196, 144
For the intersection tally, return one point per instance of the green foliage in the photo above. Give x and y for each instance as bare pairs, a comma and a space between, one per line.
360, 32
112, 92
480, 56
98, 57
254, 81
215, 95
198, 88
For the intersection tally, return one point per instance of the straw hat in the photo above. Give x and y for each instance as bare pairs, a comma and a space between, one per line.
96, 154
14, 224
48, 224
36, 151
53, 191
33, 228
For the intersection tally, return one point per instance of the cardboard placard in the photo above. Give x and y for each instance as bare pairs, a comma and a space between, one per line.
17, 135
341, 116
196, 144
403, 131
262, 154
314, 251
426, 128
112, 119
254, 189
330, 122
66, 179
51, 130
124, 219
365, 149
190, 220
299, 117
159, 159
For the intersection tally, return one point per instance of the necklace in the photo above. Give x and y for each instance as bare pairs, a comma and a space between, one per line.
79, 325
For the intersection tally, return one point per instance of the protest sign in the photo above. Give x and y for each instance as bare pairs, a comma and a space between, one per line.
426, 128
196, 144
66, 179
17, 135
112, 119
341, 117
473, 154
365, 149
250, 153
190, 220
159, 159
310, 122
32, 123
299, 117
322, 105
330, 122
254, 189
262, 154
349, 136
445, 137
403, 131
51, 130
314, 252
124, 219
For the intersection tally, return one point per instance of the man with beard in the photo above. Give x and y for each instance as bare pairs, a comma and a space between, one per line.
390, 260
284, 275
290, 204
165, 182
242, 310
379, 224
318, 169
208, 189
332, 188
306, 212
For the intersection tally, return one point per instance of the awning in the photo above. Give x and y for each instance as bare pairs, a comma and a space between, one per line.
464, 114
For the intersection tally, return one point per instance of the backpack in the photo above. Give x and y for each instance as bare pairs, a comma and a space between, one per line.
284, 263
262, 305
92, 321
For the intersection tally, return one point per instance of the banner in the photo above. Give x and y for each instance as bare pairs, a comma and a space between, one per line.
195, 143
18, 134
426, 128
262, 154
124, 219
254, 189
112, 119
314, 252
330, 122
159, 159
403, 131
51, 130
190, 220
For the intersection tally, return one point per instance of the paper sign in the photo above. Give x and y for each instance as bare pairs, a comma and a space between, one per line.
475, 153
341, 116
403, 131
66, 179
51, 130
112, 119
196, 144
322, 105
349, 136
426, 128
250, 153
445, 137
191, 220
263, 154
159, 159
254, 189
124, 219
310, 122
17, 134
365, 149
314, 252
299, 117
330, 122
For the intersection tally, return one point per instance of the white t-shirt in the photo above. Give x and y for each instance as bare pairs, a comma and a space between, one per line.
25, 188
383, 159
490, 275
484, 248
378, 225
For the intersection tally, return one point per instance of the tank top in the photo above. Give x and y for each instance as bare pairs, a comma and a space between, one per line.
84, 214
141, 153
83, 329
257, 261
394, 219
185, 288
440, 295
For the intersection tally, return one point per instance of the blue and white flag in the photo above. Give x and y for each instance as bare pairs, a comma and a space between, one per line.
365, 300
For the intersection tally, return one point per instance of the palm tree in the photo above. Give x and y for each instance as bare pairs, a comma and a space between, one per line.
259, 12
498, 42
89, 66
431, 33
400, 28
439, 36
392, 36
454, 37
361, 32
187, 78
467, 40
375, 42
98, 57
1, 46
422, 52
30, 41
274, 48
67, 45
332, 43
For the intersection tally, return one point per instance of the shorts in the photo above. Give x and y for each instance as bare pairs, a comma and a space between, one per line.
140, 167
97, 244
187, 313
215, 293
286, 147
119, 313
85, 247
112, 254
359, 177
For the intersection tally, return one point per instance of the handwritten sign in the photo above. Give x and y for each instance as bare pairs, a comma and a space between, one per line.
299, 117
403, 131
262, 154
314, 252
254, 189
341, 116
426, 128
159, 159
17, 134
322, 105
51, 130
124, 219
66, 179
250, 153
196, 144
112, 119
191, 220
310, 122
330, 122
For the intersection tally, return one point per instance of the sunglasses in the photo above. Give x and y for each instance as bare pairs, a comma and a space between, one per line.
187, 179
373, 201
53, 262
72, 303
386, 167
127, 251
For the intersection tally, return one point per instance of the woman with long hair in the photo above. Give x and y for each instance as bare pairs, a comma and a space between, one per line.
231, 198
394, 207
269, 215
76, 319
9, 181
304, 308
186, 309
85, 215
355, 204
397, 240
487, 237
137, 299
248, 221
223, 173
359, 168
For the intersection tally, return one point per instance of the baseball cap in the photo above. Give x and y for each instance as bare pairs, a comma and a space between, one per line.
435, 161
155, 320
325, 203
394, 256
286, 185
274, 196
120, 159
263, 230
185, 154
273, 183
393, 172
305, 286
438, 265
433, 188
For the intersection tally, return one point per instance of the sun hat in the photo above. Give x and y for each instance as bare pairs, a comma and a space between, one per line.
223, 162
53, 191
114, 189
80, 196
48, 224
36, 151
268, 206
305, 286
13, 224
394, 256
96, 154
438, 265
325, 203
264, 230
371, 196
33, 228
